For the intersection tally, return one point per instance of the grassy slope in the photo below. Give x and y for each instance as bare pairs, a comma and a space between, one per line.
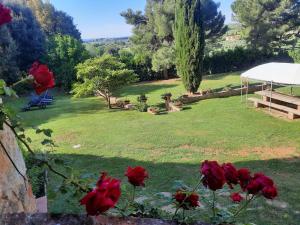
172, 146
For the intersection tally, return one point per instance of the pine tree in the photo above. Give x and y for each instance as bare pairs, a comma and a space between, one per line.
189, 43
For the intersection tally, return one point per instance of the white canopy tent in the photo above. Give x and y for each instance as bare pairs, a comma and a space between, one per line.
280, 73
287, 74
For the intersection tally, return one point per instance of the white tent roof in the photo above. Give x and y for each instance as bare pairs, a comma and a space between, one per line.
281, 73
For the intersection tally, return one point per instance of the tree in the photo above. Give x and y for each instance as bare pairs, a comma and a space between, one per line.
102, 76
153, 31
189, 43
268, 24
63, 54
27, 34
163, 60
9, 71
53, 21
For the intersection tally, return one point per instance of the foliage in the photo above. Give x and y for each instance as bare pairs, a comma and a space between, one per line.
189, 43
234, 60
295, 53
141, 106
8, 53
153, 38
102, 76
53, 21
63, 54
268, 24
27, 34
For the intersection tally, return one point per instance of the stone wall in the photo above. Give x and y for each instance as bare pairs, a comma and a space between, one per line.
15, 192
222, 94
48, 219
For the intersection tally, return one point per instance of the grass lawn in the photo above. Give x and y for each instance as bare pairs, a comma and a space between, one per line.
172, 146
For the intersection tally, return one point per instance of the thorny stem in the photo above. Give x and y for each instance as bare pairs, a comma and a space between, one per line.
133, 194
183, 202
214, 204
243, 207
46, 163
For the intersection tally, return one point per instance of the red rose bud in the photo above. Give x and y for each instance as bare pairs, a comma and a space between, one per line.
231, 174
5, 16
214, 177
270, 192
103, 197
236, 197
136, 176
187, 201
43, 77
244, 177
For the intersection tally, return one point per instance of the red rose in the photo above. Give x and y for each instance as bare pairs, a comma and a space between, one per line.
231, 174
5, 16
264, 184
103, 197
270, 192
214, 177
244, 177
236, 197
186, 200
43, 77
254, 187
136, 176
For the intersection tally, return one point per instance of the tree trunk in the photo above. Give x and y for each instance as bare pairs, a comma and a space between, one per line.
108, 102
165, 72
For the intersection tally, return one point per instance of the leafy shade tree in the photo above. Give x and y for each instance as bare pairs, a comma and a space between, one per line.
163, 60
268, 24
27, 34
53, 21
189, 43
63, 54
102, 76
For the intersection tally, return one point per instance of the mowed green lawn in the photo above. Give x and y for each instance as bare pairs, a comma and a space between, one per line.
171, 146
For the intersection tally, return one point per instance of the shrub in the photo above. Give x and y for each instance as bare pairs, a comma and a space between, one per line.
142, 106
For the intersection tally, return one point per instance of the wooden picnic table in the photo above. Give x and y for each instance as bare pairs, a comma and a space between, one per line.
281, 102
280, 97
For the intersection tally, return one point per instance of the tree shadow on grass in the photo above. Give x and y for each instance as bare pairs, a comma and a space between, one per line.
285, 172
63, 106
143, 89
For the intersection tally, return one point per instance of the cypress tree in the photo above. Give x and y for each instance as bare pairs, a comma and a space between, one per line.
189, 43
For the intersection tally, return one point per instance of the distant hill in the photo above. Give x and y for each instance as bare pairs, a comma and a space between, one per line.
106, 40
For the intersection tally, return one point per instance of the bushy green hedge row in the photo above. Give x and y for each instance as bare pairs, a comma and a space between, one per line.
234, 60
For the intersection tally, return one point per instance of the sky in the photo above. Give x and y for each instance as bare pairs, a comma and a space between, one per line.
101, 18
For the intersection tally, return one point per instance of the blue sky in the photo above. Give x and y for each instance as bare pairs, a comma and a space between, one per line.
101, 18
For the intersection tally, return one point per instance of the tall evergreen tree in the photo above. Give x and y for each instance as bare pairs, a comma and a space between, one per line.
189, 43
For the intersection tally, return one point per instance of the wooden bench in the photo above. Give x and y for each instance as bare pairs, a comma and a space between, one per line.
291, 113
267, 95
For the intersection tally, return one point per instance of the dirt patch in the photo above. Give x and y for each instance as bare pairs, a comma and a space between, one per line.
269, 153
68, 137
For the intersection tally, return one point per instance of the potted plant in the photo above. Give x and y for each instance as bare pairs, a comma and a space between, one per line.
153, 110
142, 98
166, 96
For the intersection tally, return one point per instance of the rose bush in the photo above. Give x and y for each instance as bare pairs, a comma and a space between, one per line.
43, 77
103, 197
213, 177
137, 175
5, 15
